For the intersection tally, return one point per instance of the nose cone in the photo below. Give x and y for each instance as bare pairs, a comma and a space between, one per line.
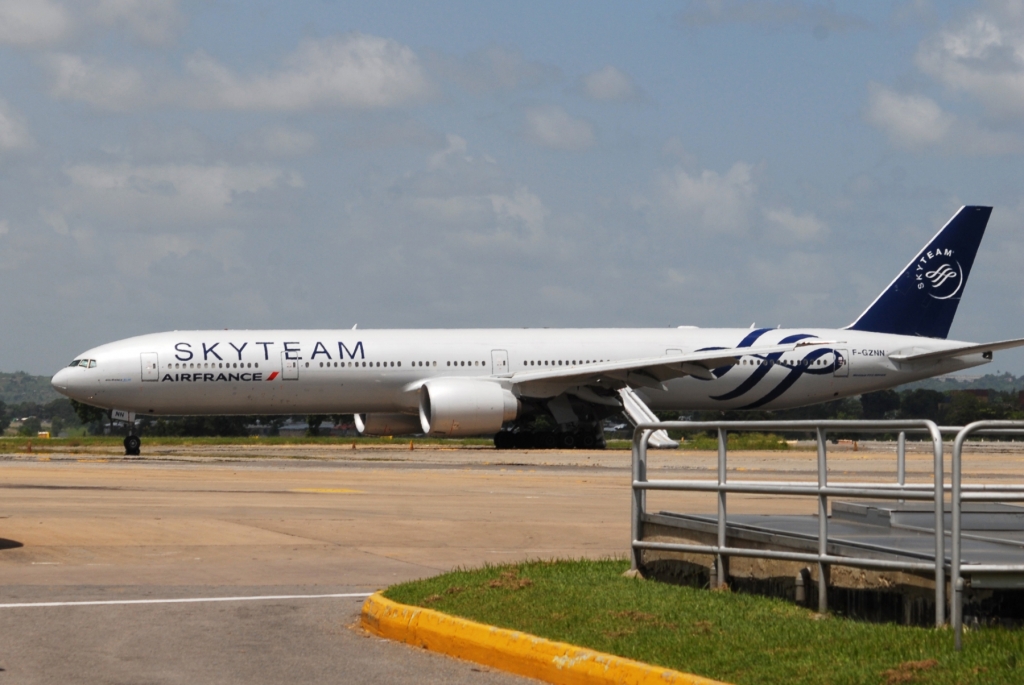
60, 381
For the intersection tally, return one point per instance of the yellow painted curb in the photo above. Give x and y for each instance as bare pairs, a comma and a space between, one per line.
512, 651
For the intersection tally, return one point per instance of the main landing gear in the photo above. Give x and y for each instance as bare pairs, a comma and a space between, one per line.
546, 440
132, 446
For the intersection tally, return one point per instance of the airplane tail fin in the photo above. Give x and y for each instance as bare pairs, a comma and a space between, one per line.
923, 298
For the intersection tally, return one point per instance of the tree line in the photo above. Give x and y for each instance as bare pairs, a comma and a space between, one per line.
64, 414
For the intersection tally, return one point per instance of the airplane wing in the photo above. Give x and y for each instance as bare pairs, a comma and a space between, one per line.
651, 372
958, 351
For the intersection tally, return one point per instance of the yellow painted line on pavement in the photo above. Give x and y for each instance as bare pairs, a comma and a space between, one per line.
510, 650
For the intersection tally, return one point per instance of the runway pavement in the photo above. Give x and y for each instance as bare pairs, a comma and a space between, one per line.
219, 522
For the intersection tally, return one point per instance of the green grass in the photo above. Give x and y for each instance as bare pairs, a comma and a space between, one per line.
731, 637
736, 441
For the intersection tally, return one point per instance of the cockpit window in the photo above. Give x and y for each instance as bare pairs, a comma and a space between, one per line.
92, 363
84, 363
74, 363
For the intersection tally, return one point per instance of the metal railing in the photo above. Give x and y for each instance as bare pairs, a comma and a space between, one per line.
821, 490
976, 493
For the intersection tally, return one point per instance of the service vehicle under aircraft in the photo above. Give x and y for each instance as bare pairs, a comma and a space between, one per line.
469, 382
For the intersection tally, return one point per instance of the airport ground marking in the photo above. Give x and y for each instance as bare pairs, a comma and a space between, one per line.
184, 600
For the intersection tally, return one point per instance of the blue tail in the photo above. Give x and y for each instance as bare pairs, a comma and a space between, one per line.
923, 299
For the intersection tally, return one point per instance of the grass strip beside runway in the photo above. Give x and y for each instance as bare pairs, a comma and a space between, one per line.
720, 635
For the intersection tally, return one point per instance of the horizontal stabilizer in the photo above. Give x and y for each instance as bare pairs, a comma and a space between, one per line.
958, 351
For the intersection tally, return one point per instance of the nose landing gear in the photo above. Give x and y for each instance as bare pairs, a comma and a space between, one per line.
132, 446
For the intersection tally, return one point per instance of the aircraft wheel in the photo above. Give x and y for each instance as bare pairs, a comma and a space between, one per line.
548, 441
132, 445
503, 440
567, 441
522, 441
587, 442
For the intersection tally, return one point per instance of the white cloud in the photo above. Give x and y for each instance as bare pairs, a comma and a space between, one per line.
278, 141
5, 227
14, 134
983, 55
97, 83
820, 17
553, 127
908, 120
55, 220
167, 193
609, 84
709, 201
521, 207
154, 22
918, 122
353, 71
470, 201
32, 23
457, 146
800, 227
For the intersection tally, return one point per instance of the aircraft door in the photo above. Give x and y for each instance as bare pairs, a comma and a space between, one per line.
289, 368
842, 366
150, 366
499, 362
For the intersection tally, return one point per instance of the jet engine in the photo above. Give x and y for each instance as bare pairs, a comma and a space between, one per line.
457, 407
387, 424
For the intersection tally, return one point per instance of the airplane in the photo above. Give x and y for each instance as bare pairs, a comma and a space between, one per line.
543, 387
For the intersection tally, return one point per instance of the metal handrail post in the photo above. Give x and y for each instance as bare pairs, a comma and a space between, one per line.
940, 532
957, 608
901, 460
722, 561
956, 504
823, 568
639, 499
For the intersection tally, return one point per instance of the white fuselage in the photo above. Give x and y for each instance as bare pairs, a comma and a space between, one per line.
356, 371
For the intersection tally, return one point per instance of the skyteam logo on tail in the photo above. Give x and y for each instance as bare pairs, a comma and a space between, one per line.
944, 278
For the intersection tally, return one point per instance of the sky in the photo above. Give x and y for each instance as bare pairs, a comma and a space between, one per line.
176, 164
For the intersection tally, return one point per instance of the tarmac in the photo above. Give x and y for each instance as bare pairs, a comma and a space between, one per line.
248, 521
